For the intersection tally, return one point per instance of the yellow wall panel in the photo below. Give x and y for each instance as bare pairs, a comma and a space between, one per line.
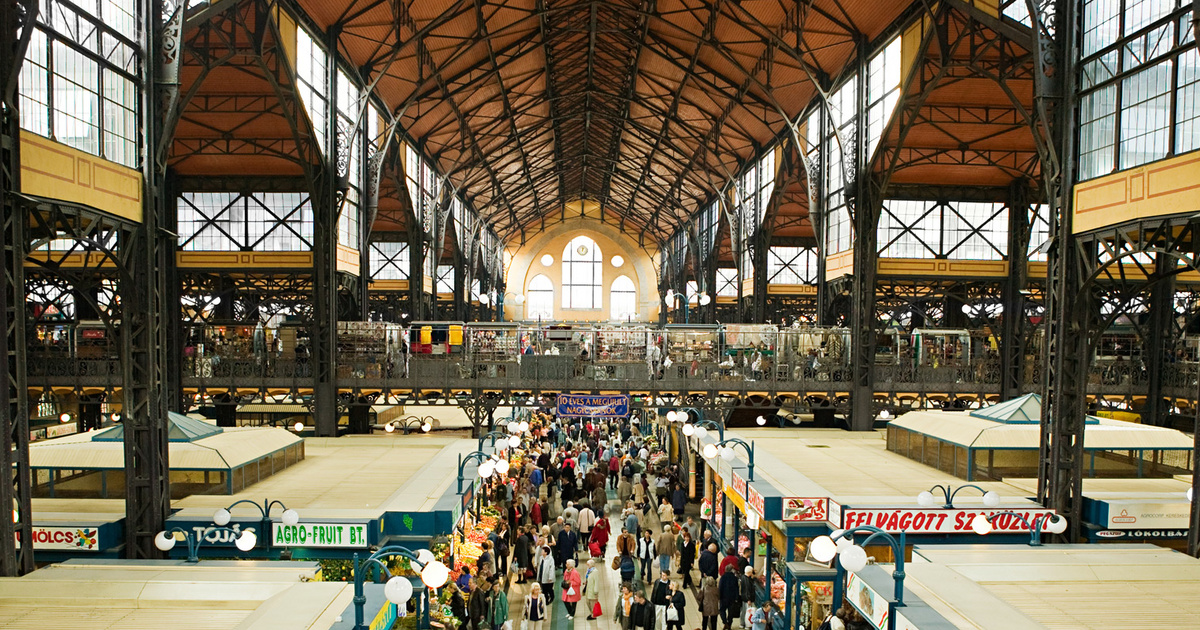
287, 35
839, 264
942, 268
347, 260
389, 285
1166, 187
55, 171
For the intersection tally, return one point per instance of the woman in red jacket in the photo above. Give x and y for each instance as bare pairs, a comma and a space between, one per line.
572, 585
599, 535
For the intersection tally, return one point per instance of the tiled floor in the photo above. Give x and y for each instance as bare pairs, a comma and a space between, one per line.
610, 589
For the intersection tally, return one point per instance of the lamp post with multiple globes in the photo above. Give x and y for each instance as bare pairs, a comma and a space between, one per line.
398, 589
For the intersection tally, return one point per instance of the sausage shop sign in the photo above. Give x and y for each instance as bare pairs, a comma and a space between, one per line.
936, 520
320, 535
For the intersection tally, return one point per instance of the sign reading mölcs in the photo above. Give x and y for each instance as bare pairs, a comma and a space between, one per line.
320, 535
937, 520
588, 406
63, 539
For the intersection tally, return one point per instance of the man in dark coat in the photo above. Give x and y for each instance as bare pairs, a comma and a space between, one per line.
568, 543
731, 598
477, 605
641, 613
522, 557
708, 560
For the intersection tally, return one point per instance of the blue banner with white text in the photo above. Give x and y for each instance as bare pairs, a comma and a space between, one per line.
589, 406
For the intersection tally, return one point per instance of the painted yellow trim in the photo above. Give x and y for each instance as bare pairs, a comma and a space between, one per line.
79, 260
942, 268
55, 171
389, 285
243, 260
1166, 187
791, 289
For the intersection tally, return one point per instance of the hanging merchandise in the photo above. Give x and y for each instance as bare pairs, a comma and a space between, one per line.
706, 511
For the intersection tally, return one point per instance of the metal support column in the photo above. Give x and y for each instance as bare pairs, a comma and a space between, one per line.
14, 397
1012, 333
323, 335
144, 251
1159, 329
1069, 308
866, 238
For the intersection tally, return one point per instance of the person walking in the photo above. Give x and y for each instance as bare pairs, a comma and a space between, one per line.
646, 554
687, 558
746, 590
710, 604
626, 543
535, 607
666, 512
477, 606
498, 610
572, 585
522, 559
591, 588
568, 544
458, 605
641, 614
666, 548
675, 608
731, 601
545, 573
624, 608
708, 560
600, 535
660, 596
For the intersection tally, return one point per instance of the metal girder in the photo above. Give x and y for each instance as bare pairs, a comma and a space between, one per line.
16, 20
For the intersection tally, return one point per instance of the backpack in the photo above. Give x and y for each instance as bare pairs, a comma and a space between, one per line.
778, 622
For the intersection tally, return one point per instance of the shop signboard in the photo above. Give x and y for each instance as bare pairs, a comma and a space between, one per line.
1139, 534
869, 603
1146, 515
938, 520
739, 484
755, 500
64, 539
59, 430
902, 622
735, 498
320, 535
802, 509
835, 513
588, 406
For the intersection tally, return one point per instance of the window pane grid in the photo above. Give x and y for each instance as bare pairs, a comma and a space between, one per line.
583, 270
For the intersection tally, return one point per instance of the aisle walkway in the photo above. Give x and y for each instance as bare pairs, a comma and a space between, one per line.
610, 591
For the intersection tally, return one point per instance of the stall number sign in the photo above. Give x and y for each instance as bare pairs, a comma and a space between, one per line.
64, 539
320, 535
937, 521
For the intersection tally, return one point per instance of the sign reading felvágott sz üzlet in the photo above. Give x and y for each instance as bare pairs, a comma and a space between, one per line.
320, 535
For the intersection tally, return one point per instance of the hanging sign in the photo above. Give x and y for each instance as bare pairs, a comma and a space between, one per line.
754, 499
589, 406
939, 520
738, 485
801, 509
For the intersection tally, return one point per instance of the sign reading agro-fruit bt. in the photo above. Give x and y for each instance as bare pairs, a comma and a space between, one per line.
320, 535
938, 520
588, 406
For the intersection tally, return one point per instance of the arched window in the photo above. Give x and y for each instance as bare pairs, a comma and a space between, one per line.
583, 273
539, 298
622, 299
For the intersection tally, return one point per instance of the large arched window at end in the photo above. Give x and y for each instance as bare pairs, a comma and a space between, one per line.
539, 300
583, 273
622, 299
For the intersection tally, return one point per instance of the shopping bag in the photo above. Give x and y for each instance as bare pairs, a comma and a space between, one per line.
672, 614
596, 610
595, 549
616, 563
570, 592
